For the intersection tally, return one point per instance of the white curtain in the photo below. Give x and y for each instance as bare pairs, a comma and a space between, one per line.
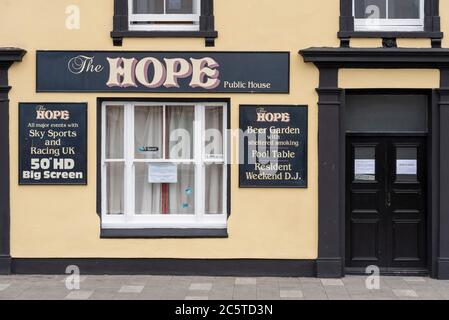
214, 149
114, 150
214, 189
180, 139
148, 124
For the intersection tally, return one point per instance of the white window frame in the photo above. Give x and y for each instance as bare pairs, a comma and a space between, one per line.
406, 25
129, 220
181, 22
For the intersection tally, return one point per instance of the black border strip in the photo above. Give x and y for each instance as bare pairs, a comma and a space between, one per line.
178, 267
163, 233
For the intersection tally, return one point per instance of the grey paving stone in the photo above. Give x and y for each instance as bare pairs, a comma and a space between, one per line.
79, 295
221, 294
414, 279
268, 296
196, 298
291, 294
131, 289
339, 297
245, 293
317, 295
332, 282
405, 293
245, 281
3, 286
200, 287
309, 280
267, 280
286, 282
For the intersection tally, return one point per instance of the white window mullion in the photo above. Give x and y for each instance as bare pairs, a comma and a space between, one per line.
387, 9
164, 132
225, 158
103, 164
129, 157
199, 163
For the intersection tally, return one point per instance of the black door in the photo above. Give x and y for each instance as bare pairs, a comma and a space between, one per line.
386, 203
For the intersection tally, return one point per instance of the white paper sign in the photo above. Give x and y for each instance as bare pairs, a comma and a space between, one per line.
407, 167
162, 173
365, 166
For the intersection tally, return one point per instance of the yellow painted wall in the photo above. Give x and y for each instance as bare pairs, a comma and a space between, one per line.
61, 221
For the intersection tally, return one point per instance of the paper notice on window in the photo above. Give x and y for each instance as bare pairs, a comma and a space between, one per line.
365, 167
162, 173
407, 167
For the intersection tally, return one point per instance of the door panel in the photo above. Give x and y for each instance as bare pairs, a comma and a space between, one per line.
386, 202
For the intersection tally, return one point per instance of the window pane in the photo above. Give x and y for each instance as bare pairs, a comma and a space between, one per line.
406, 164
148, 132
147, 195
165, 198
403, 9
181, 195
179, 6
148, 6
179, 123
114, 132
374, 9
214, 133
115, 203
365, 164
214, 189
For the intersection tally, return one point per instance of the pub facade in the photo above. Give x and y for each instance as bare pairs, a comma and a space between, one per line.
205, 137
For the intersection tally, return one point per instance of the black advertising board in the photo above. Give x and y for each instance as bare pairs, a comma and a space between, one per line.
175, 72
52, 143
273, 146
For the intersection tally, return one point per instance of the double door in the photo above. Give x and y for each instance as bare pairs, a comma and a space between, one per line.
386, 203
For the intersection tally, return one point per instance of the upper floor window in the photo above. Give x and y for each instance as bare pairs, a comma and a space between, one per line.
390, 19
164, 15
164, 18
388, 15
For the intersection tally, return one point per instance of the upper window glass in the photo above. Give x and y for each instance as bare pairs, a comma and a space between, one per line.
164, 15
388, 15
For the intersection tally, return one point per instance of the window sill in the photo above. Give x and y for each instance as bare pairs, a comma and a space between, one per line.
162, 233
208, 35
390, 34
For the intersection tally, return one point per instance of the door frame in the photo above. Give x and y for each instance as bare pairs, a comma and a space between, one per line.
432, 175
428, 171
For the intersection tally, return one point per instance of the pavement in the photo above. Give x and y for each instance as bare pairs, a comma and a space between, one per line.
19, 287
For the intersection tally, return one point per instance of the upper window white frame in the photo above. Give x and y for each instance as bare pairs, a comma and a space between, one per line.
130, 220
161, 22
405, 25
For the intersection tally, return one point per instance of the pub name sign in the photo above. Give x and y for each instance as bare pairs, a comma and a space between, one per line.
178, 72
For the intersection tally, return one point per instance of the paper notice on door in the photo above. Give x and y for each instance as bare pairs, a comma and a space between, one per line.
365, 167
407, 167
162, 173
